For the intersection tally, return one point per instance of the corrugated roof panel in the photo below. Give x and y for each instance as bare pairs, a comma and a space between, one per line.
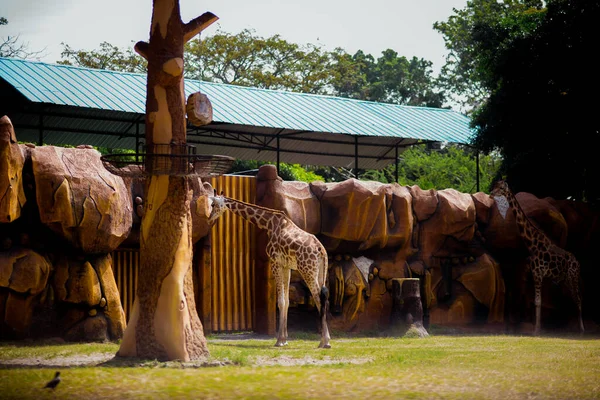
109, 90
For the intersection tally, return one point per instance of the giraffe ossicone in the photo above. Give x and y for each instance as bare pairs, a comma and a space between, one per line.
289, 248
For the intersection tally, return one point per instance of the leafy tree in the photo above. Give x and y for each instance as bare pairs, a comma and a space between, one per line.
107, 56
530, 61
454, 167
389, 79
474, 36
288, 172
12, 46
249, 60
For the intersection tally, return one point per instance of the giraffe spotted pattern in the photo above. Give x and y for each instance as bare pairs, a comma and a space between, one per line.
289, 248
546, 259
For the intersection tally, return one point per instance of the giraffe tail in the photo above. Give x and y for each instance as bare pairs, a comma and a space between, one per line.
324, 297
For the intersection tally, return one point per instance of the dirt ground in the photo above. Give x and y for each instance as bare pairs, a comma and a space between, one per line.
109, 359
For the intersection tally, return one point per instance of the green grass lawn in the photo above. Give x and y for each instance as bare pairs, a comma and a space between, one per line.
439, 367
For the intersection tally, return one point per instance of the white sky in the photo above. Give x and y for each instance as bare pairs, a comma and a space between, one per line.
372, 26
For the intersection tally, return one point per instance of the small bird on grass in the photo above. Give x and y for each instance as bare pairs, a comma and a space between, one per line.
55, 381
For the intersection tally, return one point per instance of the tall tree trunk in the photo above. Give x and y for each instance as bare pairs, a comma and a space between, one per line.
164, 323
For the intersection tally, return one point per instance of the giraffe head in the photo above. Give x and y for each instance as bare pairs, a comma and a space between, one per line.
218, 207
500, 193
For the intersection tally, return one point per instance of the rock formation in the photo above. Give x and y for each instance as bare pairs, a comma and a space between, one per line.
468, 258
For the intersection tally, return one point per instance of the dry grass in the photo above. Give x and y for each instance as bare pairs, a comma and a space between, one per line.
448, 367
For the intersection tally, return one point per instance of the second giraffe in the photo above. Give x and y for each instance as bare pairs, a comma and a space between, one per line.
545, 259
289, 248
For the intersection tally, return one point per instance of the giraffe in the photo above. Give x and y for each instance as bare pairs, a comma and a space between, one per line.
545, 259
289, 248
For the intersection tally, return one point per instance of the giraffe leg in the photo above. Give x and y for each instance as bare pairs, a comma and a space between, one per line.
282, 282
324, 297
320, 295
573, 279
538, 303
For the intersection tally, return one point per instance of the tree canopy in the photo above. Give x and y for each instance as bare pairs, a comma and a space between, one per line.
523, 64
247, 59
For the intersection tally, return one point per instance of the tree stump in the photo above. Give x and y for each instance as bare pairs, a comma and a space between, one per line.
407, 309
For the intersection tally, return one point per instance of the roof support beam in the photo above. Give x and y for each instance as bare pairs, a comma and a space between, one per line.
356, 157
41, 138
396, 157
315, 153
277, 154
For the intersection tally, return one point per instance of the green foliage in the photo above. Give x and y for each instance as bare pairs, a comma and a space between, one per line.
288, 172
454, 167
389, 79
249, 60
107, 56
474, 36
527, 59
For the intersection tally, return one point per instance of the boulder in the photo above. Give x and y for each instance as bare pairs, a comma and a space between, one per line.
294, 198
373, 214
80, 200
111, 306
449, 231
12, 195
23, 271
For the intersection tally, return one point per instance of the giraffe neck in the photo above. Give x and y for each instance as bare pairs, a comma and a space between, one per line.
528, 231
264, 218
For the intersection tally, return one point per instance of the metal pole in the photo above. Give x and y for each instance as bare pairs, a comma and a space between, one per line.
277, 154
397, 164
477, 158
137, 140
41, 137
356, 157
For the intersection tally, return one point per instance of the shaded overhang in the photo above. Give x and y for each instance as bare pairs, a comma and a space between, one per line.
58, 104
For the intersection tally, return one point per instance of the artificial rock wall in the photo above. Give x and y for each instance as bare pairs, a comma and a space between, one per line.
471, 261
61, 215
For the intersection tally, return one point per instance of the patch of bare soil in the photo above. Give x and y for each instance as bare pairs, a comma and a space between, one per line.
75, 360
307, 360
107, 359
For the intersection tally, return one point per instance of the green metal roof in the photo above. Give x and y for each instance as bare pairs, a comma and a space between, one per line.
257, 111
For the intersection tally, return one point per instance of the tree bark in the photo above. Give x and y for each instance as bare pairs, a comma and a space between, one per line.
164, 323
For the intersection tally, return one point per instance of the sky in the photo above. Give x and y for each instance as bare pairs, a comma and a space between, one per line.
373, 26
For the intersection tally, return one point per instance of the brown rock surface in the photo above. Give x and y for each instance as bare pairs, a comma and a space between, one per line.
483, 279
80, 200
113, 309
294, 198
12, 196
91, 329
450, 229
374, 214
19, 312
83, 286
425, 202
23, 270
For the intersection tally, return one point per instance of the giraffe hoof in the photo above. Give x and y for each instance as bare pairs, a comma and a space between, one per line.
324, 346
280, 344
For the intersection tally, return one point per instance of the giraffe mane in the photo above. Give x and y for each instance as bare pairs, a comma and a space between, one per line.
271, 210
531, 222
